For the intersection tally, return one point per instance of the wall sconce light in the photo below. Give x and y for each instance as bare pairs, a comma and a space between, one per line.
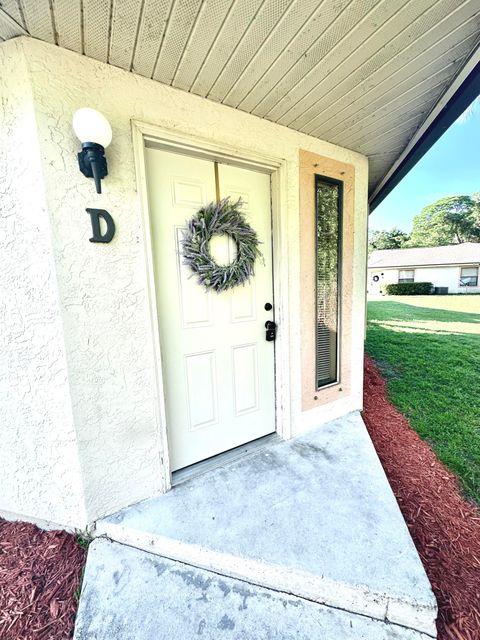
95, 133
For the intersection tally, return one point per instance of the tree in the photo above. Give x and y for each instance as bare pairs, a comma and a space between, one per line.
451, 220
392, 239
476, 208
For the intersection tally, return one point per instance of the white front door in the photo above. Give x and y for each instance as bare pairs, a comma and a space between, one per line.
218, 368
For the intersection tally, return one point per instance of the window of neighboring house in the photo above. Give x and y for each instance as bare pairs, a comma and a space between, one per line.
328, 222
407, 275
469, 276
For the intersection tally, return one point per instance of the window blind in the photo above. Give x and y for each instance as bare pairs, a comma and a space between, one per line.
328, 214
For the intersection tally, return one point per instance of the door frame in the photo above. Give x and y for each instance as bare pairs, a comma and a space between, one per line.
144, 134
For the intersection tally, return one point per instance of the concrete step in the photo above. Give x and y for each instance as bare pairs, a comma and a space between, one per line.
313, 517
130, 594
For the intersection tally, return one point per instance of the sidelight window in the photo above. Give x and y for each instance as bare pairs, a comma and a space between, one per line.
328, 217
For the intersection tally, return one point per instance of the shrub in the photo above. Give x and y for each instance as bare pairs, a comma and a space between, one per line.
408, 289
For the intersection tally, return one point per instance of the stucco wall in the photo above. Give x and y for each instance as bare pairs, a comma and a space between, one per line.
40, 473
102, 288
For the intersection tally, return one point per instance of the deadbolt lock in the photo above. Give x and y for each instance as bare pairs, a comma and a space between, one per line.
271, 332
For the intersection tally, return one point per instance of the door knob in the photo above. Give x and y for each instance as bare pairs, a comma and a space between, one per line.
271, 332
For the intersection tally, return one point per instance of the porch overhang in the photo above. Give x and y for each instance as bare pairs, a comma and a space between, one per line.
460, 95
382, 78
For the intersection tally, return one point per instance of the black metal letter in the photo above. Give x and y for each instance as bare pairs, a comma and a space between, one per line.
95, 215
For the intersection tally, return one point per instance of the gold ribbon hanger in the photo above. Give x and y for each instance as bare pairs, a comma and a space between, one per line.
217, 181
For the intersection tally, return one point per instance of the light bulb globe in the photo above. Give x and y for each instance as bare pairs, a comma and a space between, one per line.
92, 126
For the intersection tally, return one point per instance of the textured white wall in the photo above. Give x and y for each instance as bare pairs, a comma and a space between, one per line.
102, 288
40, 474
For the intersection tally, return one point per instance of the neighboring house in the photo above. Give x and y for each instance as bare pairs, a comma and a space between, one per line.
121, 377
452, 268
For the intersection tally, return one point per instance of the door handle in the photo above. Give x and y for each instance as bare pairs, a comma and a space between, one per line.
271, 332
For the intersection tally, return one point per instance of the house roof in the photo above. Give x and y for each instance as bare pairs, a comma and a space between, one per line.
368, 75
466, 253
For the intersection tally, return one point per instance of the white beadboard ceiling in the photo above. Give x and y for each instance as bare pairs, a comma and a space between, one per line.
363, 74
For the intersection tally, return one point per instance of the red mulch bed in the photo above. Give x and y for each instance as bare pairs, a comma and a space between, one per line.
40, 570
444, 526
39, 573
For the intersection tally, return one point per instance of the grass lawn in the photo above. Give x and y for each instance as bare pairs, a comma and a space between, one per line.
428, 349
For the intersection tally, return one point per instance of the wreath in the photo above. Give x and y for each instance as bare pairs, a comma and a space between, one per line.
224, 217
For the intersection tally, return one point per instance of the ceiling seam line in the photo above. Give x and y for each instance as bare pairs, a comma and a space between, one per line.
11, 21
409, 122
300, 57
260, 48
431, 8
416, 128
52, 20
296, 35
412, 124
412, 99
316, 64
349, 140
365, 135
423, 130
406, 126
22, 15
214, 42
110, 30
400, 68
339, 124
342, 122
385, 140
350, 55
232, 53
162, 39
187, 42
135, 43
82, 26
382, 154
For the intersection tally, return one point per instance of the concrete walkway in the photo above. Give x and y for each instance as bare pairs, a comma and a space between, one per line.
313, 517
134, 595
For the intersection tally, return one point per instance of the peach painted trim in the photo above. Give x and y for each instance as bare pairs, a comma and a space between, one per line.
310, 165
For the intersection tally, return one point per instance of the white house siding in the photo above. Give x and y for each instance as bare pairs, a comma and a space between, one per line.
447, 276
39, 466
444, 277
385, 276
102, 288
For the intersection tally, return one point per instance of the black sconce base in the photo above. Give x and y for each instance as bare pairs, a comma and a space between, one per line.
92, 163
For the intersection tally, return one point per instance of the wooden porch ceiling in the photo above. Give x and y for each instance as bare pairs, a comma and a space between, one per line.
363, 74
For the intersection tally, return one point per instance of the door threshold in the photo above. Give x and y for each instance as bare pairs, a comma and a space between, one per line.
232, 455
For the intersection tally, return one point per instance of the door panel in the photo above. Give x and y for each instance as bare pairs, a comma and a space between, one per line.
218, 368
202, 389
245, 378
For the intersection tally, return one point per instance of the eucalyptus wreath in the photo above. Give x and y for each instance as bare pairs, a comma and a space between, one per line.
224, 217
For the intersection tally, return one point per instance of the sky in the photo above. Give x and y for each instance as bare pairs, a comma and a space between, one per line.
450, 167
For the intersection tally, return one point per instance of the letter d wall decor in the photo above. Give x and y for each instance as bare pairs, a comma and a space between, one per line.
95, 215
